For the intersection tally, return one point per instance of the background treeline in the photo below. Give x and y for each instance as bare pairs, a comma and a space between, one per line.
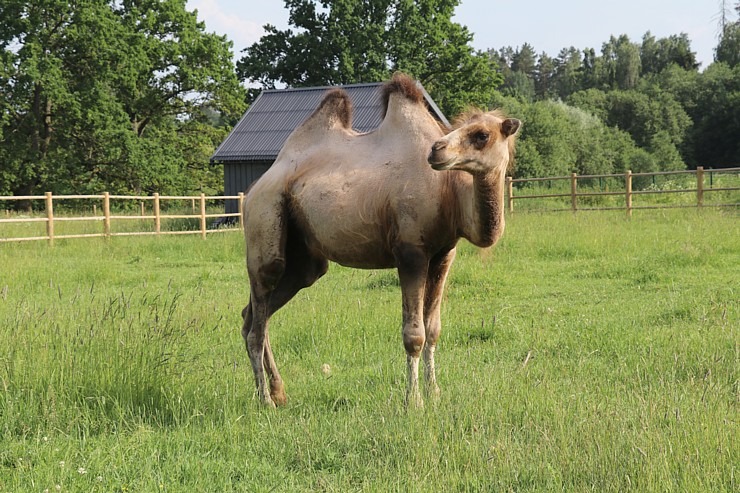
635, 105
133, 96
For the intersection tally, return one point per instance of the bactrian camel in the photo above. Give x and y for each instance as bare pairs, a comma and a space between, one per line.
398, 197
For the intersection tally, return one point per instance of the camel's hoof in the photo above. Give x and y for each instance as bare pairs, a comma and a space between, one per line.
265, 400
414, 402
279, 398
433, 394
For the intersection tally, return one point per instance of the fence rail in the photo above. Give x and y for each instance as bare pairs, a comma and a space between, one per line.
627, 192
199, 210
108, 218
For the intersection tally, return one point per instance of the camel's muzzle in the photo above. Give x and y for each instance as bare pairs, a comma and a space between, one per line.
437, 157
439, 165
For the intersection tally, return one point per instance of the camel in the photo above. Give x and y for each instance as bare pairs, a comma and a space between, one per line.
399, 197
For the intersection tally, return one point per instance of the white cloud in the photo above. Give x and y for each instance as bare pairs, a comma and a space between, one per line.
221, 17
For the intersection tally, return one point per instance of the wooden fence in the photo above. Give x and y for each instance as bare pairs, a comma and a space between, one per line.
198, 204
626, 192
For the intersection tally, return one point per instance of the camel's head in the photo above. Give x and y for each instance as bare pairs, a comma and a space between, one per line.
480, 142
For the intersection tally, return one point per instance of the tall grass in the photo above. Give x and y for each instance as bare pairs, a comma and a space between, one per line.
582, 353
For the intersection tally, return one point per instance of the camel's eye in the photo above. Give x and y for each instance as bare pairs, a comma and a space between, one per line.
480, 138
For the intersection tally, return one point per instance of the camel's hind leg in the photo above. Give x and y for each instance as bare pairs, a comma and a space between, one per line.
266, 228
300, 271
277, 392
439, 267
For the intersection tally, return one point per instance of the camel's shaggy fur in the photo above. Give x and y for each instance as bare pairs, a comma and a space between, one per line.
398, 197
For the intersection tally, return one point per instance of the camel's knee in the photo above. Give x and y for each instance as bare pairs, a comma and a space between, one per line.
434, 328
270, 273
413, 340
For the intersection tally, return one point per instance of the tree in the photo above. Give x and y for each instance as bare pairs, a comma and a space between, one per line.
619, 64
728, 49
338, 42
676, 49
654, 119
109, 94
627, 67
418, 37
568, 72
519, 86
649, 55
524, 60
657, 55
558, 139
544, 77
715, 140
590, 73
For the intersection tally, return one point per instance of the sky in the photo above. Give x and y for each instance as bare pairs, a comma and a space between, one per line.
547, 25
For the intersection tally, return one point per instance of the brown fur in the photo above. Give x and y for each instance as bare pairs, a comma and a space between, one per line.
400, 196
472, 114
401, 84
337, 104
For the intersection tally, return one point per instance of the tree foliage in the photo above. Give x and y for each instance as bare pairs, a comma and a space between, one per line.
351, 41
112, 95
134, 95
558, 139
651, 92
728, 49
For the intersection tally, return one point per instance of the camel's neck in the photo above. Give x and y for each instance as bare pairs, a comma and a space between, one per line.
482, 208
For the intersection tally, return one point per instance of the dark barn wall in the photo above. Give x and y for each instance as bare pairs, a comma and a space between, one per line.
238, 176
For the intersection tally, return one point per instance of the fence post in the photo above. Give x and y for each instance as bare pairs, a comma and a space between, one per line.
157, 219
628, 192
241, 210
203, 215
50, 218
699, 186
510, 192
106, 214
573, 189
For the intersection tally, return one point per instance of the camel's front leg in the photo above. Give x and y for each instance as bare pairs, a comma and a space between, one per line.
439, 267
412, 272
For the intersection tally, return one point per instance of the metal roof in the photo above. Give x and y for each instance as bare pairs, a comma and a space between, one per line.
264, 128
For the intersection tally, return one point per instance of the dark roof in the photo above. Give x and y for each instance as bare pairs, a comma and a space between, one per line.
264, 128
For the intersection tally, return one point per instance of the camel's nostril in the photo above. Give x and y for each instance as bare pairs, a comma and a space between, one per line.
439, 145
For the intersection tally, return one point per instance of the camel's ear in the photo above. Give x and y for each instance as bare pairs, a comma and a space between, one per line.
510, 126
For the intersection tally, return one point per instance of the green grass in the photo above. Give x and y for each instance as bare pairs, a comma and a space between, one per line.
582, 353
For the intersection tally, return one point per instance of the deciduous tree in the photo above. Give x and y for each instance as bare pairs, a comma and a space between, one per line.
109, 94
418, 37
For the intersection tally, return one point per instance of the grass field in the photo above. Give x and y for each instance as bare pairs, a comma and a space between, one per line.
582, 353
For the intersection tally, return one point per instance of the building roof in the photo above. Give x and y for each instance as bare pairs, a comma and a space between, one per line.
264, 128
